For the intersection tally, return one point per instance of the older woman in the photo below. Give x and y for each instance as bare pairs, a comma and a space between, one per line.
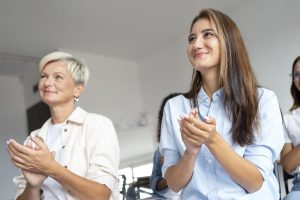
75, 154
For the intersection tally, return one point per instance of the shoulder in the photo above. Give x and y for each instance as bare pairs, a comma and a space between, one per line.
83, 116
267, 96
291, 115
177, 101
264, 93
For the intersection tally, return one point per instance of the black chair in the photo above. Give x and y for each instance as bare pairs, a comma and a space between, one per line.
122, 185
286, 178
143, 186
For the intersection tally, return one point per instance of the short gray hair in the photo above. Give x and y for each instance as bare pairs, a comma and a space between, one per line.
79, 71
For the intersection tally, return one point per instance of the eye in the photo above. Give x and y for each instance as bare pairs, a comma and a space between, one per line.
43, 76
296, 74
58, 77
191, 38
208, 34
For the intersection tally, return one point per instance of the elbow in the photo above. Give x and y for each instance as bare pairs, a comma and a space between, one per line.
286, 166
174, 188
256, 185
255, 188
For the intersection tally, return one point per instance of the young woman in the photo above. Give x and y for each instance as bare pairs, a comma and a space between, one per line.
220, 139
75, 154
290, 154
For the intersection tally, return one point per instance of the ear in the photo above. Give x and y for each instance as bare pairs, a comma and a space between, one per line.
78, 90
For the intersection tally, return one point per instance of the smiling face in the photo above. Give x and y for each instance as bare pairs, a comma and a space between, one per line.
204, 47
57, 86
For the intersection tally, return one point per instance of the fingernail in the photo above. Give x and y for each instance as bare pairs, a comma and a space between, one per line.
7, 142
185, 115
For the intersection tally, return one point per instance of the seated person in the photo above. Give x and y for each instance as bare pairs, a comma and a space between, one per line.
157, 183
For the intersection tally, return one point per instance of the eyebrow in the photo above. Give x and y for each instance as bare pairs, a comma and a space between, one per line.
205, 30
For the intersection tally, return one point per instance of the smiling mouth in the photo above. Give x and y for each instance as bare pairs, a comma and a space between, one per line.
199, 55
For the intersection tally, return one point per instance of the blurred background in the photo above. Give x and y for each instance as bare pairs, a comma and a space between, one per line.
136, 52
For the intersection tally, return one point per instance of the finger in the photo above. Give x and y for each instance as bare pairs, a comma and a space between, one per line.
21, 148
190, 140
13, 150
38, 141
16, 156
194, 133
210, 120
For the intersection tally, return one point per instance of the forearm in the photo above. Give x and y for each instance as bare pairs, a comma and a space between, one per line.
291, 160
179, 175
237, 167
81, 187
30, 193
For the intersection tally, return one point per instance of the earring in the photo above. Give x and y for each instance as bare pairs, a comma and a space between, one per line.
76, 99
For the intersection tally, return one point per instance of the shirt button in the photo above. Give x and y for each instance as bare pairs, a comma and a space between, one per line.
65, 130
209, 161
66, 166
63, 146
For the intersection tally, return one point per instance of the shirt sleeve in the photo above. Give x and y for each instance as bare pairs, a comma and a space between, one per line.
269, 138
287, 137
168, 145
103, 148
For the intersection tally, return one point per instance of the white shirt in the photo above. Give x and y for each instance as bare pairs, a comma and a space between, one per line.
51, 188
89, 149
292, 130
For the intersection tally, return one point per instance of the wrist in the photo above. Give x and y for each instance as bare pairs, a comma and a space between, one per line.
191, 154
33, 188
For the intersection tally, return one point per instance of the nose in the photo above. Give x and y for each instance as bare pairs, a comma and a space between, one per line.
198, 44
49, 82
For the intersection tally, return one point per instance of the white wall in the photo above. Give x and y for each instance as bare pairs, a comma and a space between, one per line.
12, 125
113, 88
166, 71
271, 33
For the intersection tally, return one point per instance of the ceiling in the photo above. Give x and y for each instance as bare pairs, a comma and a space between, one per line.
129, 29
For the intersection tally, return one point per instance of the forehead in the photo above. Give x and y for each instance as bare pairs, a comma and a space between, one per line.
200, 25
56, 66
297, 66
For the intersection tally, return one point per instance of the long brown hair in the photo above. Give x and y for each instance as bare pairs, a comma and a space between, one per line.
294, 91
236, 77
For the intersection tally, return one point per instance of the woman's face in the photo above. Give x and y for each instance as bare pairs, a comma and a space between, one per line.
204, 47
56, 85
296, 75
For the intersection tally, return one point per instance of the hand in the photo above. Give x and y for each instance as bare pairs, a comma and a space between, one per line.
34, 179
195, 132
39, 160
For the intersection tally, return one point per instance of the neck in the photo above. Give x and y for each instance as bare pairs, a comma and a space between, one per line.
210, 84
60, 113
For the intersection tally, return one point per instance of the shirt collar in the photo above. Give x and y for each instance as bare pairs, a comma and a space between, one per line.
77, 116
217, 96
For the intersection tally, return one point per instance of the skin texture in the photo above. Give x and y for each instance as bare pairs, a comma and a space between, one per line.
57, 89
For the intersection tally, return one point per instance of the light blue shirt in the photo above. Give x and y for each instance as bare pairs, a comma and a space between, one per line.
209, 179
